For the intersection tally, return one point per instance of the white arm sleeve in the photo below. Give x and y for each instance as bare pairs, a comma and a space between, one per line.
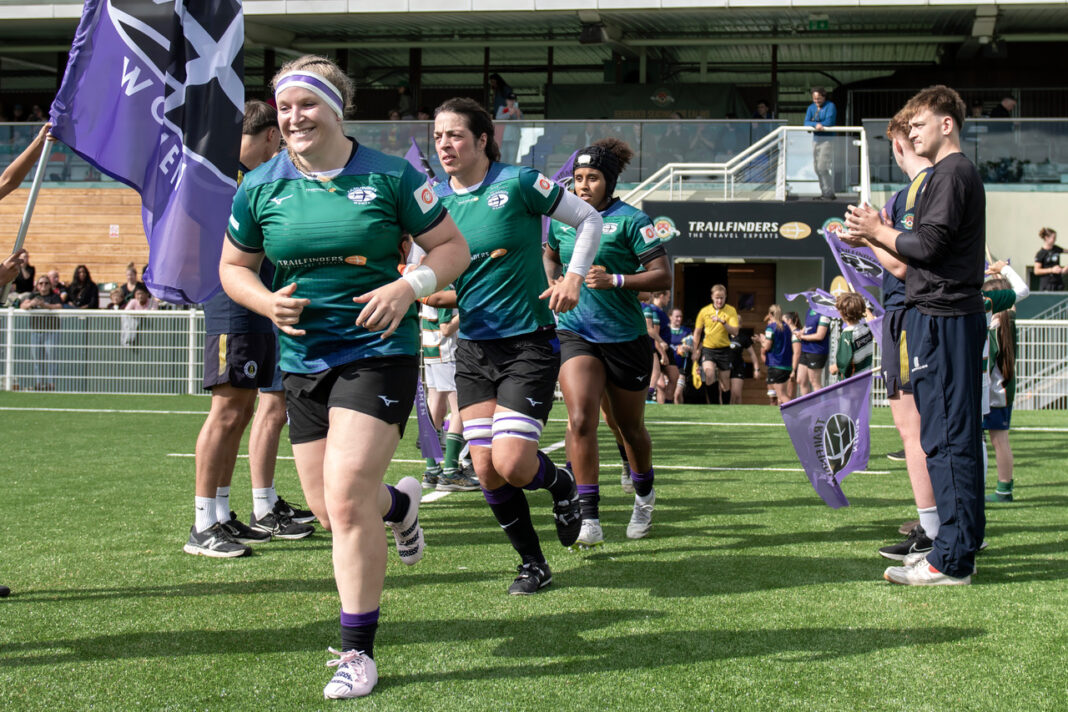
579, 214
1016, 282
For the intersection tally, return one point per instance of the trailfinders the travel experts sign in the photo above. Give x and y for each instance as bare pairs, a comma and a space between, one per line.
763, 230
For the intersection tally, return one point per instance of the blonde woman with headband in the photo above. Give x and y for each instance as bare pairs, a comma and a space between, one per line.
330, 213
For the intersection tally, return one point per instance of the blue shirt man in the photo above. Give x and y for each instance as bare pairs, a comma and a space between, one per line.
822, 114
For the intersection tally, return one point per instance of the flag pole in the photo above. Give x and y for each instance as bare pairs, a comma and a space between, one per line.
38, 177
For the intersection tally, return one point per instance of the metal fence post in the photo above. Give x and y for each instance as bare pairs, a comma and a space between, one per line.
191, 355
9, 350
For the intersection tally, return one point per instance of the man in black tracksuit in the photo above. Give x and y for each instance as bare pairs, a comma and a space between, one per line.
944, 329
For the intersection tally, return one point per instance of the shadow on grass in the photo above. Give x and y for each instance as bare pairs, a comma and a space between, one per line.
523, 644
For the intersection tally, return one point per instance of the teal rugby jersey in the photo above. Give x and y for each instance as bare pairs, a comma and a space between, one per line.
336, 239
627, 242
501, 220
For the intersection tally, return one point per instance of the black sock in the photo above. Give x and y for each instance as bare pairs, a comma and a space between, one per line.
509, 506
589, 497
556, 481
398, 509
360, 633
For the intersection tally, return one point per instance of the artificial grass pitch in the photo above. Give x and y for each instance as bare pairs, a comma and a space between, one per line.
748, 594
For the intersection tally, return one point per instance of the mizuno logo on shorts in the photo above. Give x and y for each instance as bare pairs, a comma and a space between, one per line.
388, 401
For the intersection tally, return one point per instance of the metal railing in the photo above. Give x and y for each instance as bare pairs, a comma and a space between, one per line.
763, 170
161, 352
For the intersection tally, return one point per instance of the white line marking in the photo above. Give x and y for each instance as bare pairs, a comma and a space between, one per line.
434, 496
555, 446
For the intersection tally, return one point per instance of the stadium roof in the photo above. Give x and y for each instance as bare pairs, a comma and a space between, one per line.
831, 41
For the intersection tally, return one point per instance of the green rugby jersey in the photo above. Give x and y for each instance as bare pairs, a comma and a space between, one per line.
336, 240
627, 242
437, 348
501, 220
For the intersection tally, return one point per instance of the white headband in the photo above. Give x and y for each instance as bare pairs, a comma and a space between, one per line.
315, 83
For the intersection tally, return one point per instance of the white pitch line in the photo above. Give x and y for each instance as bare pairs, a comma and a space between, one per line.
713, 424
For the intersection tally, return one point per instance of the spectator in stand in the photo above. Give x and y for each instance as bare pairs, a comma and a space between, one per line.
404, 102
82, 292
57, 285
1004, 109
763, 111
44, 332
131, 283
142, 300
116, 300
24, 275
1048, 262
976, 111
815, 341
510, 138
424, 114
499, 91
856, 347
821, 114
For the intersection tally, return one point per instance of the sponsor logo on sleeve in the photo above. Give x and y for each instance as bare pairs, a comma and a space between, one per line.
543, 185
649, 234
425, 197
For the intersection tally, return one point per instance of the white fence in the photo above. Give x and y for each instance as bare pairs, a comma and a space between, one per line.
161, 352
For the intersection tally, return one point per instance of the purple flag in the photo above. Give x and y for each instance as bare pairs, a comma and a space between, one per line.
829, 429
859, 265
821, 302
418, 160
429, 444
153, 96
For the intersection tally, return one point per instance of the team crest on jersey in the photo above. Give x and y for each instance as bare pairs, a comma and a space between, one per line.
543, 185
362, 195
648, 234
609, 228
497, 199
499, 252
665, 229
908, 221
425, 197
357, 260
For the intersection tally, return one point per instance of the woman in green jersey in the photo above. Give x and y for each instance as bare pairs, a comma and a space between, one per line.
507, 356
606, 353
330, 213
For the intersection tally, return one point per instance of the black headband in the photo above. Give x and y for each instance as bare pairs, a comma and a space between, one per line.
603, 160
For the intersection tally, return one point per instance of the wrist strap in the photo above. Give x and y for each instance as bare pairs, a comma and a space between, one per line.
423, 281
617, 280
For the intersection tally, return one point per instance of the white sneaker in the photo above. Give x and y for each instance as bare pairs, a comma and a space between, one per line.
918, 556
590, 535
407, 533
625, 481
642, 516
356, 675
923, 574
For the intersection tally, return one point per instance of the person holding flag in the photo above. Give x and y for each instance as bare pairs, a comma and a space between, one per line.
507, 357
331, 213
945, 252
606, 353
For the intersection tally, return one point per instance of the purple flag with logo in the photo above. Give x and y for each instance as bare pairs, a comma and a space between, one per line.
859, 265
821, 302
418, 160
830, 432
429, 444
154, 96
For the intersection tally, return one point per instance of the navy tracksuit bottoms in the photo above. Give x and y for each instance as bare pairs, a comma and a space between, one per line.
944, 366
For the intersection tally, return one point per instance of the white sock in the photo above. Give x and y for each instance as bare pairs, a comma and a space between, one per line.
222, 503
204, 507
986, 461
929, 521
261, 501
272, 496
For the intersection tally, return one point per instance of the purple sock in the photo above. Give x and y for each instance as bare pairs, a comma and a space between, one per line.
398, 505
545, 467
500, 495
355, 620
643, 482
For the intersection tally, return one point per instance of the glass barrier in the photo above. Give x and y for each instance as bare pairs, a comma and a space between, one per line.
63, 164
1004, 150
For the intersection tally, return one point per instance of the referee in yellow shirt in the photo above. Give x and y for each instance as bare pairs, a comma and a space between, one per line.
716, 324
